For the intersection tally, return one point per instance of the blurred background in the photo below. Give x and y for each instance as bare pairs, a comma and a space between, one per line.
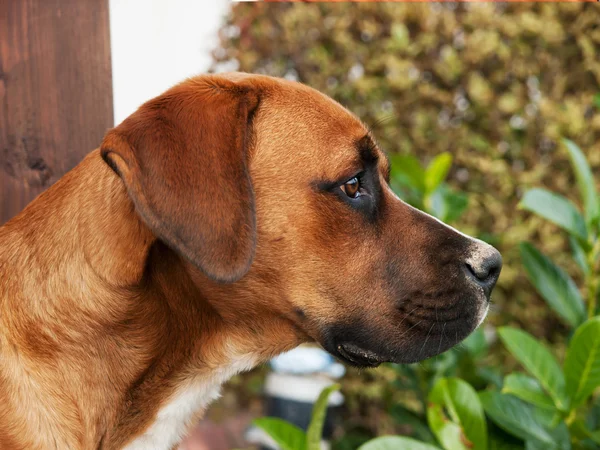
472, 101
495, 85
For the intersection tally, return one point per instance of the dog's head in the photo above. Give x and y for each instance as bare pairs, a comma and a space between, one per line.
275, 189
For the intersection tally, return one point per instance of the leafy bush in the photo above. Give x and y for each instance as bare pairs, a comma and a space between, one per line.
545, 412
425, 187
555, 286
551, 409
289, 436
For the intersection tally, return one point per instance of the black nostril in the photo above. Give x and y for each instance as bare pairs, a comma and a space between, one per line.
482, 273
485, 269
473, 272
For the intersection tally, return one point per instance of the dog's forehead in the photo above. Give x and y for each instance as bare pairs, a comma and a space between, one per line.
311, 129
297, 104
314, 105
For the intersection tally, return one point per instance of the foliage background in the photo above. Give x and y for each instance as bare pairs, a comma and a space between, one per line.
495, 84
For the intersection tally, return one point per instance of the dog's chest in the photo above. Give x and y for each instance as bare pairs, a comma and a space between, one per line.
173, 419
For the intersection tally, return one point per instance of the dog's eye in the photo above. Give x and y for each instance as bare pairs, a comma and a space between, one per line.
352, 187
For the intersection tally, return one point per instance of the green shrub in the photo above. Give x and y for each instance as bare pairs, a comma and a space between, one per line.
290, 437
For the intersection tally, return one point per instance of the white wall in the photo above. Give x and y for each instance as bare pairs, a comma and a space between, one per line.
157, 43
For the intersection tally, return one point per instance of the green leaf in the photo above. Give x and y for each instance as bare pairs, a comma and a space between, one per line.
287, 436
562, 438
557, 288
465, 412
439, 366
400, 35
395, 443
456, 203
515, 417
535, 445
499, 439
315, 429
548, 418
582, 363
407, 168
527, 389
448, 433
555, 208
404, 189
579, 255
446, 204
585, 181
491, 377
497, 444
408, 378
592, 416
476, 343
580, 431
558, 431
420, 430
437, 171
538, 361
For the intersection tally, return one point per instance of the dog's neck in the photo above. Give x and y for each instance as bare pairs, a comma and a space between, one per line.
119, 301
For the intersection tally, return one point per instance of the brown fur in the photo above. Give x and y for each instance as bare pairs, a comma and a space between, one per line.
199, 227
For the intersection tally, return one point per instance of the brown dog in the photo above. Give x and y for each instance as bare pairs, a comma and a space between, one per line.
227, 220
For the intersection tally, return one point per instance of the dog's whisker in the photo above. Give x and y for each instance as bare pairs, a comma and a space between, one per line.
405, 317
494, 308
442, 337
426, 339
411, 328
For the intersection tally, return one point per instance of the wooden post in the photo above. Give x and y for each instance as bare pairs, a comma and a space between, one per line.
55, 92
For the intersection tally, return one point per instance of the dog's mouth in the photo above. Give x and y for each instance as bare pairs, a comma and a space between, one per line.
364, 345
358, 357
365, 348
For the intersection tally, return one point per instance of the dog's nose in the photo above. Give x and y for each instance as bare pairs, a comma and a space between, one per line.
483, 265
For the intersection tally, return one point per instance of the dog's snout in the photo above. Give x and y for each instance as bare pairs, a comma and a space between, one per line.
483, 265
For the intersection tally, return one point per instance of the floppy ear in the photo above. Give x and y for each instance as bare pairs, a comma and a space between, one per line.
183, 159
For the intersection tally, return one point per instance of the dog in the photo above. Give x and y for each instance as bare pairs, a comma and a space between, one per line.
230, 219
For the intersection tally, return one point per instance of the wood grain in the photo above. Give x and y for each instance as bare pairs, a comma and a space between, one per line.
55, 92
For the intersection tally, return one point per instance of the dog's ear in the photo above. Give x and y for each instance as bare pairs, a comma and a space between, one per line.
183, 158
